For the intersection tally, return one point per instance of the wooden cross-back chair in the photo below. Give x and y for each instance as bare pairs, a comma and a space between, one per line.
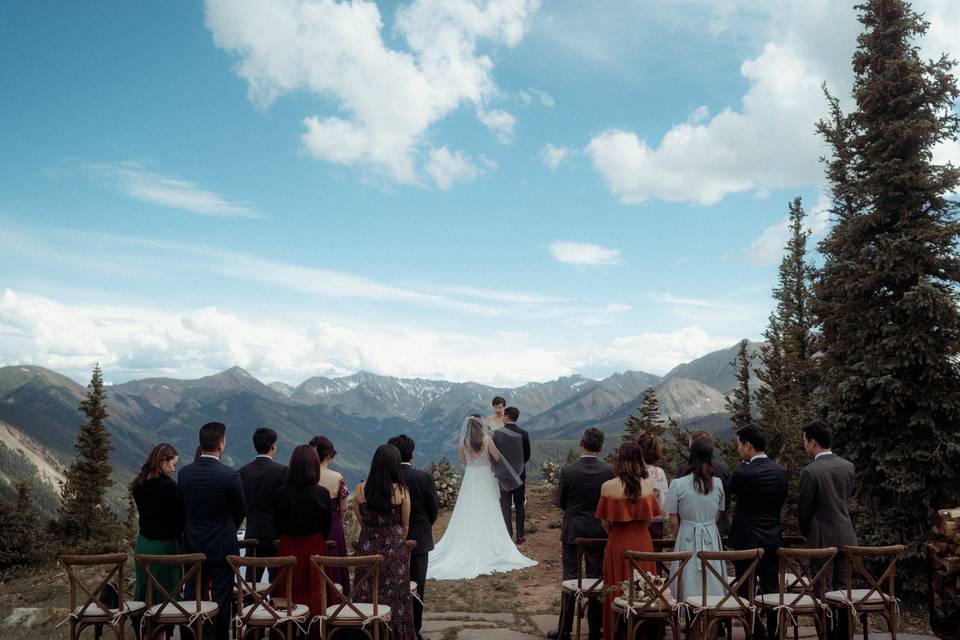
265, 610
171, 611
577, 593
638, 606
92, 610
349, 613
730, 606
877, 597
803, 577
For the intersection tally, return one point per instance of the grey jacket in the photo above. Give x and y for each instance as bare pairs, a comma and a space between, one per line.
825, 488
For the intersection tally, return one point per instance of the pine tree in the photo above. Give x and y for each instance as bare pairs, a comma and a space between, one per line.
887, 294
739, 406
131, 525
85, 521
650, 420
24, 541
676, 445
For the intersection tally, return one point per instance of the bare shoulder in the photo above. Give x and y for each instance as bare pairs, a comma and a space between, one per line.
610, 487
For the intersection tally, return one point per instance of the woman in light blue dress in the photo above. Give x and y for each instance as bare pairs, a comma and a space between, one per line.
694, 502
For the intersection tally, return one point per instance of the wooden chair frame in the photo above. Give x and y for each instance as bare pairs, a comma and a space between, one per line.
658, 607
330, 624
888, 607
804, 583
111, 617
581, 596
262, 598
195, 560
746, 610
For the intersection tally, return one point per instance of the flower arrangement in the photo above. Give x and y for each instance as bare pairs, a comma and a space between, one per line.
446, 478
550, 472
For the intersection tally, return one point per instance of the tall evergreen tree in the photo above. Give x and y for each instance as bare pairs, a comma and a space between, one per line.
887, 295
739, 406
85, 521
649, 420
24, 541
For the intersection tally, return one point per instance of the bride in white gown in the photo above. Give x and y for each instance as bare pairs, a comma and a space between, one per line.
476, 541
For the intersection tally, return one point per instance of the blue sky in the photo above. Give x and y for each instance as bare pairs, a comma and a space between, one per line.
499, 191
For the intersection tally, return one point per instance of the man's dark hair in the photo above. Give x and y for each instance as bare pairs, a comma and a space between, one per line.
511, 414
405, 444
211, 435
498, 400
753, 434
263, 439
592, 440
819, 431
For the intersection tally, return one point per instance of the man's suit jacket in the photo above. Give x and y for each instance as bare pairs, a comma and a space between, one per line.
761, 489
213, 498
424, 506
722, 471
261, 478
578, 493
825, 488
512, 426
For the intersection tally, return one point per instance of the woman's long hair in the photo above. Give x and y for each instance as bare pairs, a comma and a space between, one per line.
153, 467
304, 467
701, 465
475, 434
383, 477
651, 447
324, 447
628, 465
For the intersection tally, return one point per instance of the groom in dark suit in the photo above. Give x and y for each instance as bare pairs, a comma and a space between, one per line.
516, 496
424, 507
213, 498
760, 487
578, 492
261, 478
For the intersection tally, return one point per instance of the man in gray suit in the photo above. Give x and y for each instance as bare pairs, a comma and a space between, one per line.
825, 488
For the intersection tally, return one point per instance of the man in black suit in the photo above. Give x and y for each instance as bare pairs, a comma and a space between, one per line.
720, 470
424, 508
261, 478
826, 485
517, 496
578, 492
760, 486
213, 499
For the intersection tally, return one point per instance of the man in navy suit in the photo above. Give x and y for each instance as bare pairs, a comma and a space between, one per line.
261, 478
213, 498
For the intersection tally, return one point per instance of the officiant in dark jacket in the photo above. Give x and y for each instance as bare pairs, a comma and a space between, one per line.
261, 478
506, 440
578, 492
214, 504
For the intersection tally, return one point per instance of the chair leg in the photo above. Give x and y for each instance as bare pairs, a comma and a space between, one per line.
577, 613
866, 627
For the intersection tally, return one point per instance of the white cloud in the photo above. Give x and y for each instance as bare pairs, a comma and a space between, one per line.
135, 181
553, 156
447, 168
617, 308
656, 352
499, 122
584, 254
386, 98
768, 248
529, 95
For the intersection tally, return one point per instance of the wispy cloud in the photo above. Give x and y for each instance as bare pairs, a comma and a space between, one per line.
584, 254
135, 181
689, 302
531, 94
553, 155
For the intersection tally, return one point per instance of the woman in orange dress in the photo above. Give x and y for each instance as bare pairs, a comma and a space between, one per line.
627, 504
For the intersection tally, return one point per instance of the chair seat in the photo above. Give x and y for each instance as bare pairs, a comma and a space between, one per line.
262, 615
131, 607
789, 579
856, 596
623, 604
789, 599
166, 612
365, 608
713, 602
596, 584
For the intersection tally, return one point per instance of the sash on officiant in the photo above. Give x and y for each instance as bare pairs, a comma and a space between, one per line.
510, 465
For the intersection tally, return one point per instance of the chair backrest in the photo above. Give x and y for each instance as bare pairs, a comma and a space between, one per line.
367, 568
109, 565
250, 546
855, 560
192, 562
584, 547
655, 598
262, 597
731, 591
805, 582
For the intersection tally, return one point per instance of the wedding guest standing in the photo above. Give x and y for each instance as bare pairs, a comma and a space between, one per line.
261, 478
626, 507
161, 517
336, 486
382, 506
302, 515
826, 485
518, 496
652, 451
720, 471
213, 498
578, 492
695, 502
424, 508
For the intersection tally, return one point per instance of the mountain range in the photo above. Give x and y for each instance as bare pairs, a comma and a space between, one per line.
39, 416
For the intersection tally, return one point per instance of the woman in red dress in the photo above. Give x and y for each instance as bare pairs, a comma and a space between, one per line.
627, 504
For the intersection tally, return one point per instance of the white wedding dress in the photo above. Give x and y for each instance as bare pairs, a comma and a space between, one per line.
476, 541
